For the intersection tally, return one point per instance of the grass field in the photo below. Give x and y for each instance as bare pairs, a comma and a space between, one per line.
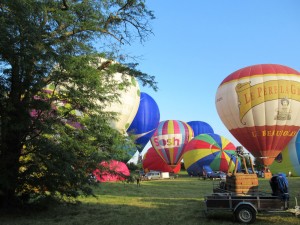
160, 202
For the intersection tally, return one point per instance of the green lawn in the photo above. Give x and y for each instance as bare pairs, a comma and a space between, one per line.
160, 202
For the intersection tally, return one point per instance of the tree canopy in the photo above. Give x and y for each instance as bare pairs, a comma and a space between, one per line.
55, 43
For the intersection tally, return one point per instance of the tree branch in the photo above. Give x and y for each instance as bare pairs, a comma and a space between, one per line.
65, 5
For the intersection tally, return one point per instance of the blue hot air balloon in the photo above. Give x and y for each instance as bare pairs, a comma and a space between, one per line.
200, 127
145, 121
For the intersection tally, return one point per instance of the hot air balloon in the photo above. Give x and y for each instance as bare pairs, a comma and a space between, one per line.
260, 106
112, 171
200, 127
145, 121
289, 159
127, 106
152, 161
169, 140
61, 106
129, 97
209, 150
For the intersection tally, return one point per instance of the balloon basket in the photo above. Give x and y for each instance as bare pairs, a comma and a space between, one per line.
268, 175
242, 184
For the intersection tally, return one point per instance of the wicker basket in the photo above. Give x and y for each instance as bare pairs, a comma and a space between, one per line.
242, 184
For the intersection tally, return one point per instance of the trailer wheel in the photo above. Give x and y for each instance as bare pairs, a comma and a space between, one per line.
245, 214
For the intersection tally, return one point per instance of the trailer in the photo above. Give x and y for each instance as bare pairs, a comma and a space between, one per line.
239, 194
244, 208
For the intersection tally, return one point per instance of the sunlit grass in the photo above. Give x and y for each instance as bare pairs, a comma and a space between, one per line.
160, 202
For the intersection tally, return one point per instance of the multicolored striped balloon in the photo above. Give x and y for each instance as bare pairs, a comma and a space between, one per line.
209, 150
170, 139
289, 159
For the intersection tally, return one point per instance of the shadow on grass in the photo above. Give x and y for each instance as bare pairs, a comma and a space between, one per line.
169, 202
155, 211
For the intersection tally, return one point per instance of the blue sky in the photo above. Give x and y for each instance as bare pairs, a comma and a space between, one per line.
196, 44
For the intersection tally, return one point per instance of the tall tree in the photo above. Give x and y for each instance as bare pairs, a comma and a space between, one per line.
55, 43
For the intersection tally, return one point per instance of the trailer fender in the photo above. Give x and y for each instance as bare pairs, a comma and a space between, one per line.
245, 203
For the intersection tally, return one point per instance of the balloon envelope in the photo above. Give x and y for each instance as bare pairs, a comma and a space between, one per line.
152, 161
169, 140
209, 150
57, 106
127, 106
129, 97
121, 170
200, 127
145, 121
260, 106
289, 159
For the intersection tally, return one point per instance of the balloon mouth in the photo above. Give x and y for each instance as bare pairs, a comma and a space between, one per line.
173, 166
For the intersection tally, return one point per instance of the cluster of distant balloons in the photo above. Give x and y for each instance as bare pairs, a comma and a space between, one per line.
259, 105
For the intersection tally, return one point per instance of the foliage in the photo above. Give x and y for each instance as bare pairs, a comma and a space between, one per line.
134, 167
53, 43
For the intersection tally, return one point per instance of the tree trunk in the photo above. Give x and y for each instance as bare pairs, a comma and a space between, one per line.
9, 168
12, 133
